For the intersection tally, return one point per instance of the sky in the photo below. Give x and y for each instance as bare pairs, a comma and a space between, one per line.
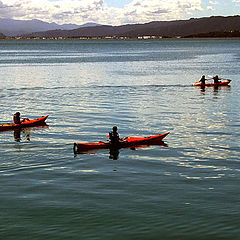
115, 12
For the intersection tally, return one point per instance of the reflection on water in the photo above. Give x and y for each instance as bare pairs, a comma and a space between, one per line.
216, 89
203, 88
114, 151
24, 133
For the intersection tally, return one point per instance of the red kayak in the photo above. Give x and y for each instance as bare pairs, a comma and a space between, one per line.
222, 83
124, 143
25, 123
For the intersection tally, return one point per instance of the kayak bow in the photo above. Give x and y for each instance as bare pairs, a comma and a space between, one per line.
124, 143
26, 123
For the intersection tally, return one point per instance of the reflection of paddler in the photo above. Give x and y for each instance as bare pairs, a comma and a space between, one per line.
17, 135
215, 89
27, 133
114, 153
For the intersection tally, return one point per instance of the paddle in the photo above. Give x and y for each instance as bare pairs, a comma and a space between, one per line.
213, 77
221, 78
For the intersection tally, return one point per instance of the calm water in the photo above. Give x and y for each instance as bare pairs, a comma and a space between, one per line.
188, 190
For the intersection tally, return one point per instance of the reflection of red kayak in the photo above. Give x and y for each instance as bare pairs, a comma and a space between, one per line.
26, 123
125, 143
222, 83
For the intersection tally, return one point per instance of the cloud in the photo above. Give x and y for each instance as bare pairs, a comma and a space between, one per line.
2, 5
210, 8
213, 2
4, 10
150, 10
81, 11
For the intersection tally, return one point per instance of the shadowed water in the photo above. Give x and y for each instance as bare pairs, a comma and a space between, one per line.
188, 190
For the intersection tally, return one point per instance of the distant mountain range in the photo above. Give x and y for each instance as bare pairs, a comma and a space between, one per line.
182, 28
11, 27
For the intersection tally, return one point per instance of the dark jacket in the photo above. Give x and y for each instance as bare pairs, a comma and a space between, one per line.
202, 80
16, 119
114, 137
216, 79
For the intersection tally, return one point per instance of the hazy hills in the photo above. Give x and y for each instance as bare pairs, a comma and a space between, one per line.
162, 28
2, 36
11, 27
183, 28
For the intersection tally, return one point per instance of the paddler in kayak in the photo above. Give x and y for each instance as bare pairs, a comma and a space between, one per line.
114, 136
203, 80
216, 79
16, 118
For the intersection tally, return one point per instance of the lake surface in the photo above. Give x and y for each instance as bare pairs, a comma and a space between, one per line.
186, 190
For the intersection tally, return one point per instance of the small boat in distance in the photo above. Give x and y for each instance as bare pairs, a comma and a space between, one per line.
221, 83
26, 123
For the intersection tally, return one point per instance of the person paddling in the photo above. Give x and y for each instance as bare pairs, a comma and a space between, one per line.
16, 118
216, 79
203, 80
114, 136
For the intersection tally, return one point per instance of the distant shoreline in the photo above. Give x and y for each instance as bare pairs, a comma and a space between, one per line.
206, 27
117, 38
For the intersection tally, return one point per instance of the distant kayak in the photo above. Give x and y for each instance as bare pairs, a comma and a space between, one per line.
124, 143
26, 123
221, 83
